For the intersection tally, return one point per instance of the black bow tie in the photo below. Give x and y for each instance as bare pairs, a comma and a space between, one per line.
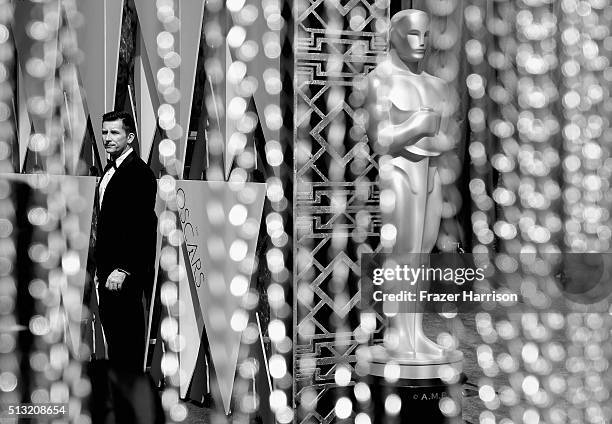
110, 164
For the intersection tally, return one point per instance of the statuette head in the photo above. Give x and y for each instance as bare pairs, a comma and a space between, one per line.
409, 34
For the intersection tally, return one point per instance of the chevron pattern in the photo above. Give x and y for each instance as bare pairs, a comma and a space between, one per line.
333, 53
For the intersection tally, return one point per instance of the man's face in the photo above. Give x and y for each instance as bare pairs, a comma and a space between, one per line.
115, 139
410, 37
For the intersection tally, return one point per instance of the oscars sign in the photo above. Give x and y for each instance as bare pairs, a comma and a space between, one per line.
220, 223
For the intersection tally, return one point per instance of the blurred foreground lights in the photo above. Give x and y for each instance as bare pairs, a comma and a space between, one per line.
392, 372
238, 250
236, 36
446, 340
178, 412
342, 376
37, 216
167, 148
278, 366
343, 408
165, 40
166, 185
236, 108
169, 293
235, 5
39, 325
449, 374
239, 285
530, 385
284, 415
273, 117
239, 321
172, 60
71, 263
274, 153
169, 363
276, 295
393, 404
278, 400
275, 259
236, 72
308, 398
387, 201
169, 398
272, 81
362, 392
448, 407
276, 331
7, 343
487, 417
8, 381
38, 143
531, 416
388, 234
486, 393
368, 322
165, 77
362, 418
169, 328
530, 353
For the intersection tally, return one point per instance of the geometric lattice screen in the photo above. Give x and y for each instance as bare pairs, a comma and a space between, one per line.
336, 196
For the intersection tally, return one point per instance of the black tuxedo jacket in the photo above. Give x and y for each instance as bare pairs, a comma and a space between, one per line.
126, 235
127, 224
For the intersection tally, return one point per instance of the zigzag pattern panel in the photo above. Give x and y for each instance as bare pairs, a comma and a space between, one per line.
336, 195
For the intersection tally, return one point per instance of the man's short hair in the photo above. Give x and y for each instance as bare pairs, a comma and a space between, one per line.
128, 122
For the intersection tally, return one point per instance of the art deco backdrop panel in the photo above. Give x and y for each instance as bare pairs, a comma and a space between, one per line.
336, 197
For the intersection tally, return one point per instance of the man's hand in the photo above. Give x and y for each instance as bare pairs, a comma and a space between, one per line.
115, 280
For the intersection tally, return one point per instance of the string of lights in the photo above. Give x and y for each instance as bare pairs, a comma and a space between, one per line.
9, 337
527, 379
170, 268
276, 82
50, 359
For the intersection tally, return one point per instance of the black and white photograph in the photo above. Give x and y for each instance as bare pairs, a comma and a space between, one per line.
306, 211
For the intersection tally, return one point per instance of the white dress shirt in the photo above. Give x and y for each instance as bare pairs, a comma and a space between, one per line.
109, 174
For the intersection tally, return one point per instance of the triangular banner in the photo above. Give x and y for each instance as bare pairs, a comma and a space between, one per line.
188, 327
213, 217
25, 125
145, 109
150, 27
191, 14
77, 125
99, 41
267, 61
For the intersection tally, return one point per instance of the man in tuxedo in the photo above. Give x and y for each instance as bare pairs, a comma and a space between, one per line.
124, 257
125, 243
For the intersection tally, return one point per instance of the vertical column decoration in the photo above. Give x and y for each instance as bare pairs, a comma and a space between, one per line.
336, 211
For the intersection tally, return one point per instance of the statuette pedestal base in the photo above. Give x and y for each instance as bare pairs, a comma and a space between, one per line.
425, 397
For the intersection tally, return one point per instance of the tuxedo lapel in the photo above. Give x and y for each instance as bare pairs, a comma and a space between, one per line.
116, 179
97, 197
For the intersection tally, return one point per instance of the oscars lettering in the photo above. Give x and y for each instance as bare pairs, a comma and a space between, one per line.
190, 233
